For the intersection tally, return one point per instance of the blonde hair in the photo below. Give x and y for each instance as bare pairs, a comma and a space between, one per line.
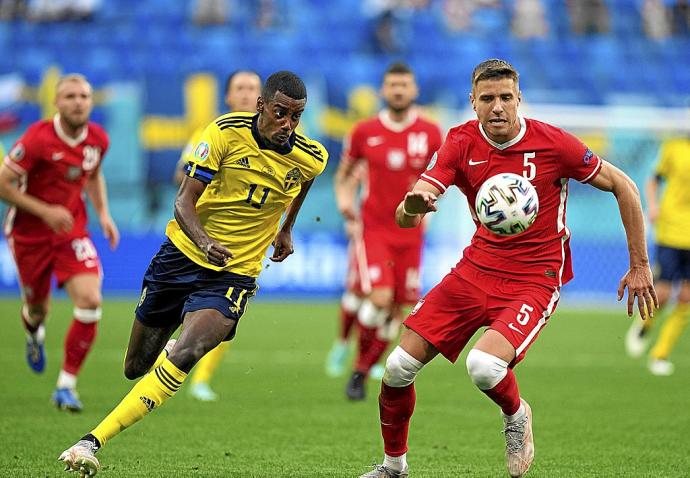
71, 77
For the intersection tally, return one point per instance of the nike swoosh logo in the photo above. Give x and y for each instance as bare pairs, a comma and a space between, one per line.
512, 327
472, 162
374, 140
57, 156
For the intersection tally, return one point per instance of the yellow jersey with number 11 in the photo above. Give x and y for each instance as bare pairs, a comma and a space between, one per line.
249, 187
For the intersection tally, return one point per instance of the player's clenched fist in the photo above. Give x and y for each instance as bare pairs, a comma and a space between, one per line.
58, 218
419, 202
215, 253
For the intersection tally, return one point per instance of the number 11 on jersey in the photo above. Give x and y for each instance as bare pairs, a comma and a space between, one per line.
252, 188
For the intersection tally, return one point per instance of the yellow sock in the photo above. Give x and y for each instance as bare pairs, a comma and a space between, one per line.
149, 393
159, 360
670, 332
209, 363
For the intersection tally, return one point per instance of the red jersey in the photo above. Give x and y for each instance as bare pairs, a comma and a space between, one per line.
545, 155
395, 155
54, 169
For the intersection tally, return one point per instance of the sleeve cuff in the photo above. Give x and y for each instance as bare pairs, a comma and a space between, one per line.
594, 173
14, 166
434, 182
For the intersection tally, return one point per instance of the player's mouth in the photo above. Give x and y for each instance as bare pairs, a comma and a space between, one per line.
281, 138
497, 121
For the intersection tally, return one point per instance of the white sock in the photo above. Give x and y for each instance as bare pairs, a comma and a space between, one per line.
517, 416
395, 463
66, 380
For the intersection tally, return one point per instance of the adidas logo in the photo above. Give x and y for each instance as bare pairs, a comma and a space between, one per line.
150, 404
244, 162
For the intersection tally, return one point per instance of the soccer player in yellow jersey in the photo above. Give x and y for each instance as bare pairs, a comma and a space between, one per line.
671, 218
247, 170
242, 88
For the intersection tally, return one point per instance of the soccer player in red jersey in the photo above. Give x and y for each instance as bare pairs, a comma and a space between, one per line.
396, 147
43, 178
510, 285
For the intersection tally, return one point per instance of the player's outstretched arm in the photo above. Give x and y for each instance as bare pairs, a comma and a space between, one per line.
57, 217
98, 195
282, 244
185, 214
638, 280
416, 204
345, 185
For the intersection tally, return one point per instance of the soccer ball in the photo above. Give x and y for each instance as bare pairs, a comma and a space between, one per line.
507, 204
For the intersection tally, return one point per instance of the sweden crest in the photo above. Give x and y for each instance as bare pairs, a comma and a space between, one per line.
292, 178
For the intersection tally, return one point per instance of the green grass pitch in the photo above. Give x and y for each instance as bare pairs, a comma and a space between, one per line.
596, 412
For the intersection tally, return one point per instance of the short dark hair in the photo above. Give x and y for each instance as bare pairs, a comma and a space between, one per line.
398, 68
494, 69
231, 76
287, 83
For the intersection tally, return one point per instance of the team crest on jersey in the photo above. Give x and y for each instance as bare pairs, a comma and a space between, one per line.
202, 150
73, 173
292, 178
17, 153
92, 156
587, 158
432, 163
395, 159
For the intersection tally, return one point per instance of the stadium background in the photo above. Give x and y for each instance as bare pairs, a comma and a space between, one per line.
158, 68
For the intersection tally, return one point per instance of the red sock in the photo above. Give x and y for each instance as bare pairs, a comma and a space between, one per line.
371, 348
506, 394
396, 406
78, 341
347, 320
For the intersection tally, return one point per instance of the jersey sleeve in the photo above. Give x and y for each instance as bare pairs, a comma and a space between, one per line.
442, 167
663, 166
25, 153
204, 161
577, 161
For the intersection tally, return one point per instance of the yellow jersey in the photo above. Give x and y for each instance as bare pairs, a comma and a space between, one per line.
249, 187
673, 223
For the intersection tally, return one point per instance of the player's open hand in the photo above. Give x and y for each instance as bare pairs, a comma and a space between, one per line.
110, 232
215, 253
282, 246
420, 202
638, 280
58, 218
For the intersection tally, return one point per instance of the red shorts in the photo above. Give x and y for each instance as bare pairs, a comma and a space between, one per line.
38, 261
467, 299
392, 265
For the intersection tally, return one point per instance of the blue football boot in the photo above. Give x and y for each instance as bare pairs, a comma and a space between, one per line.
35, 350
67, 399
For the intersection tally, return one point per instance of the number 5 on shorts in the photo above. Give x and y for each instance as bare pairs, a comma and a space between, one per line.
523, 315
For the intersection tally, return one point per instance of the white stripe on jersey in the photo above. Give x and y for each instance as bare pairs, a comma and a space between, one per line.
549, 310
435, 181
596, 170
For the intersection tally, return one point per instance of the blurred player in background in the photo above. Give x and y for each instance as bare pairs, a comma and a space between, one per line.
671, 218
242, 88
42, 179
509, 284
396, 146
247, 170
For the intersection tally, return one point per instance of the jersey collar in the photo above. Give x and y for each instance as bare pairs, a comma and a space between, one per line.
507, 144
283, 149
68, 140
395, 126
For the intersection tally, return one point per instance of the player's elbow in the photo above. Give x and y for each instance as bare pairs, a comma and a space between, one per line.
624, 185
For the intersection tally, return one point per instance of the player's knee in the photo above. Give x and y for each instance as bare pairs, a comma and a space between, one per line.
371, 316
89, 300
401, 368
381, 298
185, 356
485, 370
88, 315
134, 368
388, 331
350, 302
36, 312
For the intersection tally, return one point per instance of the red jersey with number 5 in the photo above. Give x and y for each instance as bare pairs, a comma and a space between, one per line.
395, 154
54, 168
547, 156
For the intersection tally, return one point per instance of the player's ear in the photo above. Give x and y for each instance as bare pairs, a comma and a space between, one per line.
474, 107
259, 105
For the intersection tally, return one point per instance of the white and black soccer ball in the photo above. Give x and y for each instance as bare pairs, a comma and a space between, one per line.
507, 204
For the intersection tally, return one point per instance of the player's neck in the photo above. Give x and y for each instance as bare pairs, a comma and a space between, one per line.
398, 120
69, 130
400, 116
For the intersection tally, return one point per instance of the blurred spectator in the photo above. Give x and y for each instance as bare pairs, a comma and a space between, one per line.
460, 14
210, 12
680, 14
588, 16
12, 9
656, 19
529, 20
391, 21
61, 10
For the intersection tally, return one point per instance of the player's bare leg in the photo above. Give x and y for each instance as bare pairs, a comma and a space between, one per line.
637, 338
374, 313
397, 400
203, 330
145, 345
337, 356
85, 292
487, 365
33, 318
